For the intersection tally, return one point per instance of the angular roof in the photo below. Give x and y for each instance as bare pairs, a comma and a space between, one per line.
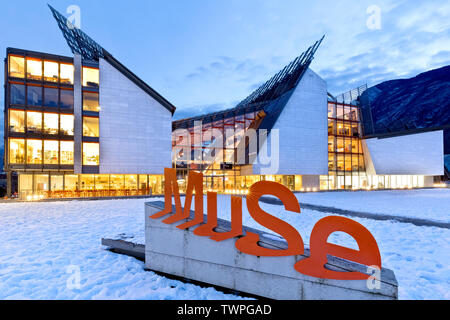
80, 43
271, 97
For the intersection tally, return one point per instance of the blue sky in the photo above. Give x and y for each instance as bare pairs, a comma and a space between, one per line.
207, 55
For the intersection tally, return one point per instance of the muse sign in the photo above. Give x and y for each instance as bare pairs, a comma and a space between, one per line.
368, 253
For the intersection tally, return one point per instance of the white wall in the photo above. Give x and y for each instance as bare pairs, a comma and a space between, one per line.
135, 130
303, 130
415, 154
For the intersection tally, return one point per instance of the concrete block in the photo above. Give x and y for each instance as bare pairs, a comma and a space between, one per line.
182, 253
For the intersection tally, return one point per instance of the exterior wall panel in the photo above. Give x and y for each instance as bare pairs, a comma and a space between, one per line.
135, 130
415, 154
303, 130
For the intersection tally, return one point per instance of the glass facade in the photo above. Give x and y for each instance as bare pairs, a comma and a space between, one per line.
91, 77
56, 185
91, 154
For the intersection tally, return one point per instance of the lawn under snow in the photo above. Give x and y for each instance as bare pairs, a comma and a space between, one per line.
40, 241
430, 204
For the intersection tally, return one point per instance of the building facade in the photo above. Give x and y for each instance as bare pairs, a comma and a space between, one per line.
86, 126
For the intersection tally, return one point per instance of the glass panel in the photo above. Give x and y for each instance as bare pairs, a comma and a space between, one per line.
340, 163
67, 71
34, 122
57, 183
34, 96
67, 152
51, 123
331, 110
51, 71
91, 101
25, 185
67, 124
87, 182
70, 182
143, 182
66, 99
90, 77
348, 162
339, 112
16, 121
331, 144
331, 162
117, 182
90, 127
91, 154
34, 151
16, 151
102, 182
16, 67
51, 97
41, 181
17, 94
51, 152
34, 69
131, 182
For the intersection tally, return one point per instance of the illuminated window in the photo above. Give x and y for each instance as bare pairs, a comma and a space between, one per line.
66, 99
67, 121
17, 94
51, 123
57, 182
67, 71
51, 71
90, 127
16, 121
66, 152
34, 96
16, 67
331, 110
91, 101
91, 154
87, 182
41, 182
34, 151
90, 77
102, 182
117, 182
16, 151
131, 182
51, 97
70, 182
34, 122
34, 69
51, 152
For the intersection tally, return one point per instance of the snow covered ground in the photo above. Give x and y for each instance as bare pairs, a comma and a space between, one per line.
430, 204
42, 241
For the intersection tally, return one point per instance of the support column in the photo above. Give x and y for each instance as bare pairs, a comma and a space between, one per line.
78, 114
8, 184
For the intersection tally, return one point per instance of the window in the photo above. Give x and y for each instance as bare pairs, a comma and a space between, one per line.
91, 154
67, 152
51, 123
57, 182
34, 96
131, 182
51, 154
91, 101
67, 72
67, 121
34, 122
70, 182
117, 182
66, 99
16, 121
41, 181
16, 151
50, 71
17, 94
331, 110
34, 151
90, 77
34, 69
16, 67
51, 97
90, 127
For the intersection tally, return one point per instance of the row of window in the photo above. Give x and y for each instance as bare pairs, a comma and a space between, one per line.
347, 162
50, 71
50, 152
338, 111
21, 121
38, 96
342, 128
344, 145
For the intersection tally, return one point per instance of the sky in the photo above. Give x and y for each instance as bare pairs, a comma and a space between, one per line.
207, 55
